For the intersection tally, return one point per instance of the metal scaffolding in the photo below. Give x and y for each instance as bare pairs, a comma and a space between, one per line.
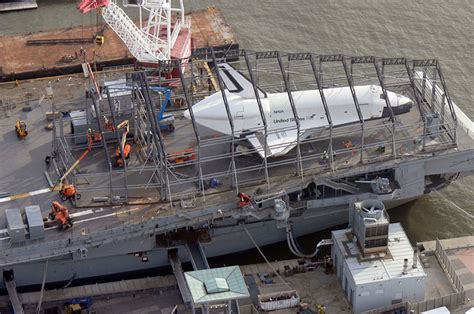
178, 166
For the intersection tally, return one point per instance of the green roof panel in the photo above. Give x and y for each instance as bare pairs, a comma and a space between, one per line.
216, 284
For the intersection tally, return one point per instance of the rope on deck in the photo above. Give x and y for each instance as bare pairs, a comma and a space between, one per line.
266, 260
471, 216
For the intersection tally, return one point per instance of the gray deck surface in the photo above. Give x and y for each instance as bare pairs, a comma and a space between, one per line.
23, 164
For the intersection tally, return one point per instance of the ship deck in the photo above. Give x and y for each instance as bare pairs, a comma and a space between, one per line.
141, 194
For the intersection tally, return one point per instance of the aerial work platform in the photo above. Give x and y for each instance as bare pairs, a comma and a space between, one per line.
198, 257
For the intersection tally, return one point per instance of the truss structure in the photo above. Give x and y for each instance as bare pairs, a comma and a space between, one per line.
150, 41
430, 127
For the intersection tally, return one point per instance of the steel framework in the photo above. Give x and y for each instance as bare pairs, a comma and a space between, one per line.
152, 175
151, 41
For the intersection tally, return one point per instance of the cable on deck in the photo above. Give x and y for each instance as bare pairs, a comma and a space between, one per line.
294, 247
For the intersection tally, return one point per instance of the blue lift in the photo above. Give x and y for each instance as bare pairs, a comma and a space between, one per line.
165, 120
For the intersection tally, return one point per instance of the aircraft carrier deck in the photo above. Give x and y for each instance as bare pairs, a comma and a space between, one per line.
155, 203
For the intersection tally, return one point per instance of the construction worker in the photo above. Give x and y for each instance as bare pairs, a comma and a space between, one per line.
325, 157
381, 148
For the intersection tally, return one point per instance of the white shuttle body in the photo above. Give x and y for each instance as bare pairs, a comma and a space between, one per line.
281, 126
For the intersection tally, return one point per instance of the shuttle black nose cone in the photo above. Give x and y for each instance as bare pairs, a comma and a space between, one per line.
403, 108
406, 107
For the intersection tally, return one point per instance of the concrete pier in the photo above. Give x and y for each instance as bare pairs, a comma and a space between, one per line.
315, 285
455, 257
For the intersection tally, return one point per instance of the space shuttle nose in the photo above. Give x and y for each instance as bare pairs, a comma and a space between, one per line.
404, 105
186, 114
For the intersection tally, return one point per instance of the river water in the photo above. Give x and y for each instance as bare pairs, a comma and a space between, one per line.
441, 29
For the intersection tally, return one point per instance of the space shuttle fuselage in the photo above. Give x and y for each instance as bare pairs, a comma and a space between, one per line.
280, 118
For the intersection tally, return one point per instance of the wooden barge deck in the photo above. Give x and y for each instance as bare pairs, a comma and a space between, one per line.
11, 5
20, 60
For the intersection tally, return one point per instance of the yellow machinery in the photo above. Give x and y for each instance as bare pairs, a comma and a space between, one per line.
20, 128
126, 148
99, 40
68, 191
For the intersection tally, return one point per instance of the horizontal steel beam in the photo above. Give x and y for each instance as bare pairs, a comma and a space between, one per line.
394, 61
331, 58
299, 56
362, 59
266, 55
425, 63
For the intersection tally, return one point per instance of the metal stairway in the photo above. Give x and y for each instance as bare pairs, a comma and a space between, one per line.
234, 307
198, 258
179, 274
13, 295
339, 185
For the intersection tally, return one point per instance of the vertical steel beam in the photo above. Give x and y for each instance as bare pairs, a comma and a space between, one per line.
319, 83
448, 98
157, 131
139, 86
189, 104
433, 91
423, 86
104, 143
410, 68
114, 121
443, 108
53, 144
262, 114
379, 68
347, 63
61, 126
229, 115
299, 163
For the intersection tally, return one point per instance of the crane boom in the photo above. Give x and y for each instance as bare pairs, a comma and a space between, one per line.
90, 140
124, 125
151, 42
140, 45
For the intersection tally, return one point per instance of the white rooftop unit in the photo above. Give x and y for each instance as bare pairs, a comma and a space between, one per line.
15, 225
370, 226
34, 221
439, 310
378, 279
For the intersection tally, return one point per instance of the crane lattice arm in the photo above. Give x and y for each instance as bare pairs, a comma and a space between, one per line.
151, 42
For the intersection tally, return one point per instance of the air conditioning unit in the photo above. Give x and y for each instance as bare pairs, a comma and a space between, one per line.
370, 226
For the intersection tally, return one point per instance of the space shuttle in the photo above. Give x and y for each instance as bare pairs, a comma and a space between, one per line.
282, 132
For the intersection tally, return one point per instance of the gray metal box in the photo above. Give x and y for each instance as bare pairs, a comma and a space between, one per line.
15, 225
34, 221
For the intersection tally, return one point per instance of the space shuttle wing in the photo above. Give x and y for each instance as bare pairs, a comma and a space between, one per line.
237, 83
278, 143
